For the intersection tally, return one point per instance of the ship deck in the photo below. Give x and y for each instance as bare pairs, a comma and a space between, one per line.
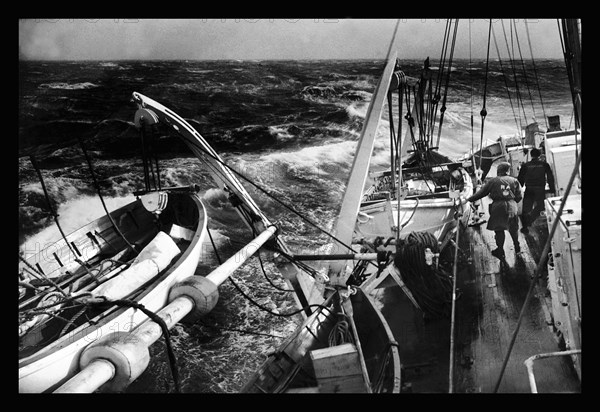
487, 309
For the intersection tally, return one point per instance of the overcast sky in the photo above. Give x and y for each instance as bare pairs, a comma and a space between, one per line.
263, 39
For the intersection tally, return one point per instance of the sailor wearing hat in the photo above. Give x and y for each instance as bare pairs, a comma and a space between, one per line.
534, 175
505, 192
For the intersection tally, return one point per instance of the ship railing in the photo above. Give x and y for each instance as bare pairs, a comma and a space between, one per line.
529, 364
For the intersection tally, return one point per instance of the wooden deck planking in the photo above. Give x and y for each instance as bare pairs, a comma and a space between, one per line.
491, 298
500, 290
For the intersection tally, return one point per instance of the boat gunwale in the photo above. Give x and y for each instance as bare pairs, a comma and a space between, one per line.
50, 353
80, 233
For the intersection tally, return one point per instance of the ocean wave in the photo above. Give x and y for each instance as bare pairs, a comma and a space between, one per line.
357, 109
68, 86
320, 160
362, 83
323, 91
112, 65
345, 90
199, 71
356, 95
281, 132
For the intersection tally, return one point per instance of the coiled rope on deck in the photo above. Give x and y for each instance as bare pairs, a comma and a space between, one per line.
431, 286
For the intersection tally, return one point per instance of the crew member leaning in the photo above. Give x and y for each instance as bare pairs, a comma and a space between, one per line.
505, 192
534, 175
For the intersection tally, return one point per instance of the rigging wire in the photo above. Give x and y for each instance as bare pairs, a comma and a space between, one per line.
97, 185
43, 275
471, 92
267, 277
483, 112
399, 154
537, 80
505, 78
568, 57
453, 311
441, 67
443, 108
512, 66
524, 71
52, 210
392, 141
261, 307
247, 297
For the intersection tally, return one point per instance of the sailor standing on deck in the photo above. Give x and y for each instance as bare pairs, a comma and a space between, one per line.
505, 192
533, 175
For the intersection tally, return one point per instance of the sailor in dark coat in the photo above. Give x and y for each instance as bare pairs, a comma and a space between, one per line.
505, 192
534, 175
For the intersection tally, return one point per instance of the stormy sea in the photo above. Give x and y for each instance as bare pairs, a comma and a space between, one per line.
289, 126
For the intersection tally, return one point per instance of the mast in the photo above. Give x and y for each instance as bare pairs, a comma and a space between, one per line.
360, 166
572, 53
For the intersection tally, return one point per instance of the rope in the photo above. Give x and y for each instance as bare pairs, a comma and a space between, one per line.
66, 300
399, 152
266, 277
568, 56
249, 332
392, 140
52, 211
380, 380
524, 72
71, 321
441, 67
535, 73
483, 112
258, 305
430, 286
453, 313
163, 326
43, 275
411, 216
89, 162
504, 77
248, 297
512, 65
148, 145
341, 333
420, 115
409, 119
443, 108
214, 246
471, 92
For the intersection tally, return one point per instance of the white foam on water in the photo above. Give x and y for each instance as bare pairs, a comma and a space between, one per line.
68, 86
357, 109
281, 132
319, 159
